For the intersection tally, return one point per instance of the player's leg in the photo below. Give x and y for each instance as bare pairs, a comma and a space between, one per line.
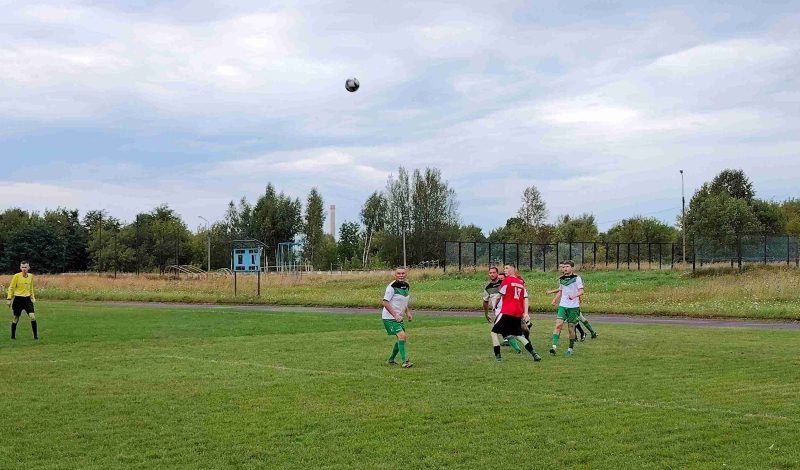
14, 320
393, 328
32, 315
587, 325
580, 332
511, 341
401, 346
529, 347
16, 310
557, 332
572, 337
496, 339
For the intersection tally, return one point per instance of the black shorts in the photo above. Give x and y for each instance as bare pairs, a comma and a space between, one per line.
22, 303
507, 325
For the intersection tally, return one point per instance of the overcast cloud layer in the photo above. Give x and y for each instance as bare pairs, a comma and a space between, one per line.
598, 104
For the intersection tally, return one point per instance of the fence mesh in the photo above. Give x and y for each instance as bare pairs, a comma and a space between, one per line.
619, 255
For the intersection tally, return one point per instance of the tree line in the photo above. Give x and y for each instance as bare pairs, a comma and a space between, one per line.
415, 212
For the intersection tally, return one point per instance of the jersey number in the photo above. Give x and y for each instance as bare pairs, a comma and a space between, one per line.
517, 292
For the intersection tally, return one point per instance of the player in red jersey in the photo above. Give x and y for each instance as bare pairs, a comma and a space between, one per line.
514, 308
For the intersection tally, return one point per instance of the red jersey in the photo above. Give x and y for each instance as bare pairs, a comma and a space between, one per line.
514, 294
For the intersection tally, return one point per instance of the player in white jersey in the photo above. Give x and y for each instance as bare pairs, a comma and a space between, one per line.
396, 298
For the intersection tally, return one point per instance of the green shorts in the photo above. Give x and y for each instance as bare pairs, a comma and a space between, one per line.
570, 315
393, 327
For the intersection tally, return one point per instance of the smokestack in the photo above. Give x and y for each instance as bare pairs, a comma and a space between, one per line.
333, 220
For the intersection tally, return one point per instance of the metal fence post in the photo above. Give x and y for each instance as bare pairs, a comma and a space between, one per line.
638, 257
787, 250
557, 260
659, 256
544, 258
475, 254
570, 250
517, 265
649, 255
607, 250
530, 255
504, 253
672, 256
459, 256
444, 258
694, 255
594, 255
765, 252
617, 256
582, 252
490, 254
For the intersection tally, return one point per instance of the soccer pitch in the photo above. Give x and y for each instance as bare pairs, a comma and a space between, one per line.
120, 387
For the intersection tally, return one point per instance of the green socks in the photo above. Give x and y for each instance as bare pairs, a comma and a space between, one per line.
514, 344
555, 339
588, 326
395, 349
401, 345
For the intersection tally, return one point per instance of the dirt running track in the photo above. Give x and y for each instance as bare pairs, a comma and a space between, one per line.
595, 318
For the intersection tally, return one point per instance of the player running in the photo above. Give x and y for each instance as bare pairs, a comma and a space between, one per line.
395, 306
513, 310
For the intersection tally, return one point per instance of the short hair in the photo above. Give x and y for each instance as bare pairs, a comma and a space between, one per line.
24, 262
494, 267
512, 265
569, 262
400, 267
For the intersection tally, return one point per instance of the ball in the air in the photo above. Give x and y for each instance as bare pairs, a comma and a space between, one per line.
351, 84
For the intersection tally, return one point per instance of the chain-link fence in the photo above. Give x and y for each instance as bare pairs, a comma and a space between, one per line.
460, 255
749, 249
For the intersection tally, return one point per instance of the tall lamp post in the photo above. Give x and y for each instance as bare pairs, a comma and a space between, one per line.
208, 234
683, 218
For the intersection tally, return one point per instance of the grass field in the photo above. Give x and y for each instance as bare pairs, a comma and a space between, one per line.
759, 293
125, 387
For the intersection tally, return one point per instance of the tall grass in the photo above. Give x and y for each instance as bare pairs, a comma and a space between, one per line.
766, 292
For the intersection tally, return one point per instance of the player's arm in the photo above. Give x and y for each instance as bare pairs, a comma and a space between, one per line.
33, 296
11, 288
486, 310
408, 314
525, 306
551, 291
557, 298
388, 308
578, 296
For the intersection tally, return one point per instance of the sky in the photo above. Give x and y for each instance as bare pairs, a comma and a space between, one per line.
123, 106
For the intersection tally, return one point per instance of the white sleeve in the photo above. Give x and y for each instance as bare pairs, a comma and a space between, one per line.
579, 283
524, 293
485, 295
389, 293
503, 289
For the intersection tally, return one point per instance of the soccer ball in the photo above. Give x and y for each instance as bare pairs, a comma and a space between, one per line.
351, 84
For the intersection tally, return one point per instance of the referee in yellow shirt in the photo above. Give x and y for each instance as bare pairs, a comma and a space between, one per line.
21, 297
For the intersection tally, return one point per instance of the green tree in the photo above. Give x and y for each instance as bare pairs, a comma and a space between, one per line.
313, 227
434, 214
642, 229
349, 242
373, 217
571, 229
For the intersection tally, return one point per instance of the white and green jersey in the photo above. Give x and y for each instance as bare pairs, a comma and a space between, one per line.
569, 285
398, 295
491, 294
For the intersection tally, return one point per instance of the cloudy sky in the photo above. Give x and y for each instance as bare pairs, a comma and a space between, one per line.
124, 106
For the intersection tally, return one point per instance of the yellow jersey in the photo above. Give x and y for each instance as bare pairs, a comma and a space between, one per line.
21, 286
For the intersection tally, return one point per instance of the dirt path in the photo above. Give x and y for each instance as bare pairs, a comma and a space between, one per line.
595, 318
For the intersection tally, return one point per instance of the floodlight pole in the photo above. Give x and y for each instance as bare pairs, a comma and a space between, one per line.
208, 235
683, 218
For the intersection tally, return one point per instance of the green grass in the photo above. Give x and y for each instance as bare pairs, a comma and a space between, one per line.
125, 387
